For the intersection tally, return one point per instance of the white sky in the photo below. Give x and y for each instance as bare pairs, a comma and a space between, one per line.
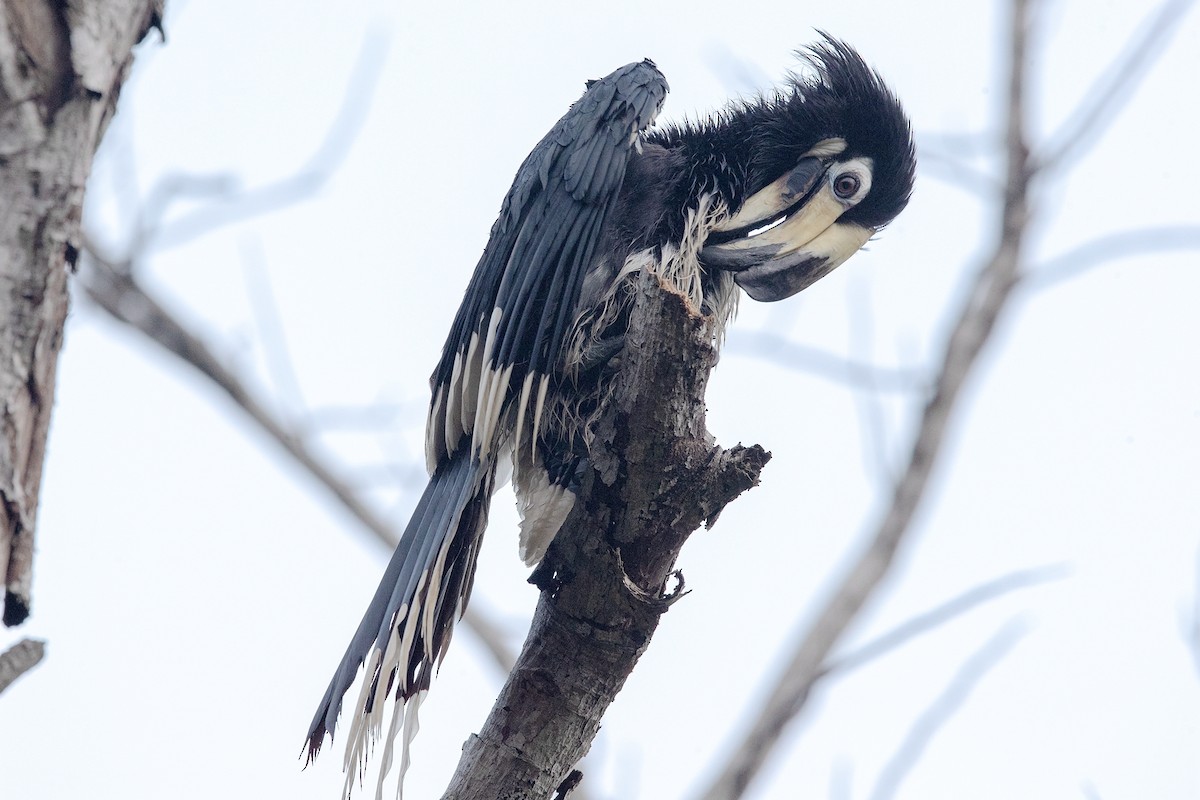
196, 591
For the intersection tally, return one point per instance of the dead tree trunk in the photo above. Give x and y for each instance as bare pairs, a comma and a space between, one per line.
62, 65
656, 476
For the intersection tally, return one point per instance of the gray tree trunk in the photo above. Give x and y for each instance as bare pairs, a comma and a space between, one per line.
62, 65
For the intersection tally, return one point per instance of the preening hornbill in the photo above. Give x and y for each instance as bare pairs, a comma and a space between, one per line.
769, 195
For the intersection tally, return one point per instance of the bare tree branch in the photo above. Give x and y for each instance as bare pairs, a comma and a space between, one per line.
1101, 105
988, 298
868, 404
957, 171
492, 634
350, 417
270, 328
963, 145
19, 659
115, 290
948, 702
237, 206
777, 349
657, 476
935, 618
1114, 246
956, 155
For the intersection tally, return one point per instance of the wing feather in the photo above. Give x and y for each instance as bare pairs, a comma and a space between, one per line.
506, 342
523, 296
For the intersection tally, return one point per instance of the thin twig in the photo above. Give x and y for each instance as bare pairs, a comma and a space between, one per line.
115, 290
966, 145
173, 188
868, 404
956, 171
1191, 633
238, 206
1114, 246
1101, 105
493, 636
948, 702
352, 418
270, 328
390, 473
936, 617
777, 349
990, 293
112, 285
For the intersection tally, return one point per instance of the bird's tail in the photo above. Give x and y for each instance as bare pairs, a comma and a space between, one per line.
408, 624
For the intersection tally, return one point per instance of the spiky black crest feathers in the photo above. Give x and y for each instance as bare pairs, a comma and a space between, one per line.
740, 150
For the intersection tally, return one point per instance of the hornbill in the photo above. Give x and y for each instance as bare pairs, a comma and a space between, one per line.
770, 195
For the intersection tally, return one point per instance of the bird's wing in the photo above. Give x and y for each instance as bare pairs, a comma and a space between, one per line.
510, 331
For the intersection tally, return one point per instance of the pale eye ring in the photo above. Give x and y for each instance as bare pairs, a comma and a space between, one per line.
847, 185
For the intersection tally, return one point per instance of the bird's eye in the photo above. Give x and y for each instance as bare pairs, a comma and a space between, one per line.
847, 185
851, 180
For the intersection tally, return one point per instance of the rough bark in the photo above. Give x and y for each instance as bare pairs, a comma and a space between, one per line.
62, 65
656, 476
19, 659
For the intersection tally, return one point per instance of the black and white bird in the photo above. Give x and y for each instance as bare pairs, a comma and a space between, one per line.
769, 196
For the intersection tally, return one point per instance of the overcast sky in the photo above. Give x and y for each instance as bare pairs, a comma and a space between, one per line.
196, 590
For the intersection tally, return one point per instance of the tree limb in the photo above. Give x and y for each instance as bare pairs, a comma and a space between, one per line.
989, 295
238, 204
1102, 102
115, 290
770, 346
656, 475
949, 701
1113, 246
937, 617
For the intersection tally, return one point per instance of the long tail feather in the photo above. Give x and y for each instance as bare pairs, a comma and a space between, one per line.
408, 624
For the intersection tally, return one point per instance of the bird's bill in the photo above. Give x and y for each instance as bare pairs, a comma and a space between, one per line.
774, 200
780, 261
783, 276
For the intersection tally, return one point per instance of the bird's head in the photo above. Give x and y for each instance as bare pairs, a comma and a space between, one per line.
822, 166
